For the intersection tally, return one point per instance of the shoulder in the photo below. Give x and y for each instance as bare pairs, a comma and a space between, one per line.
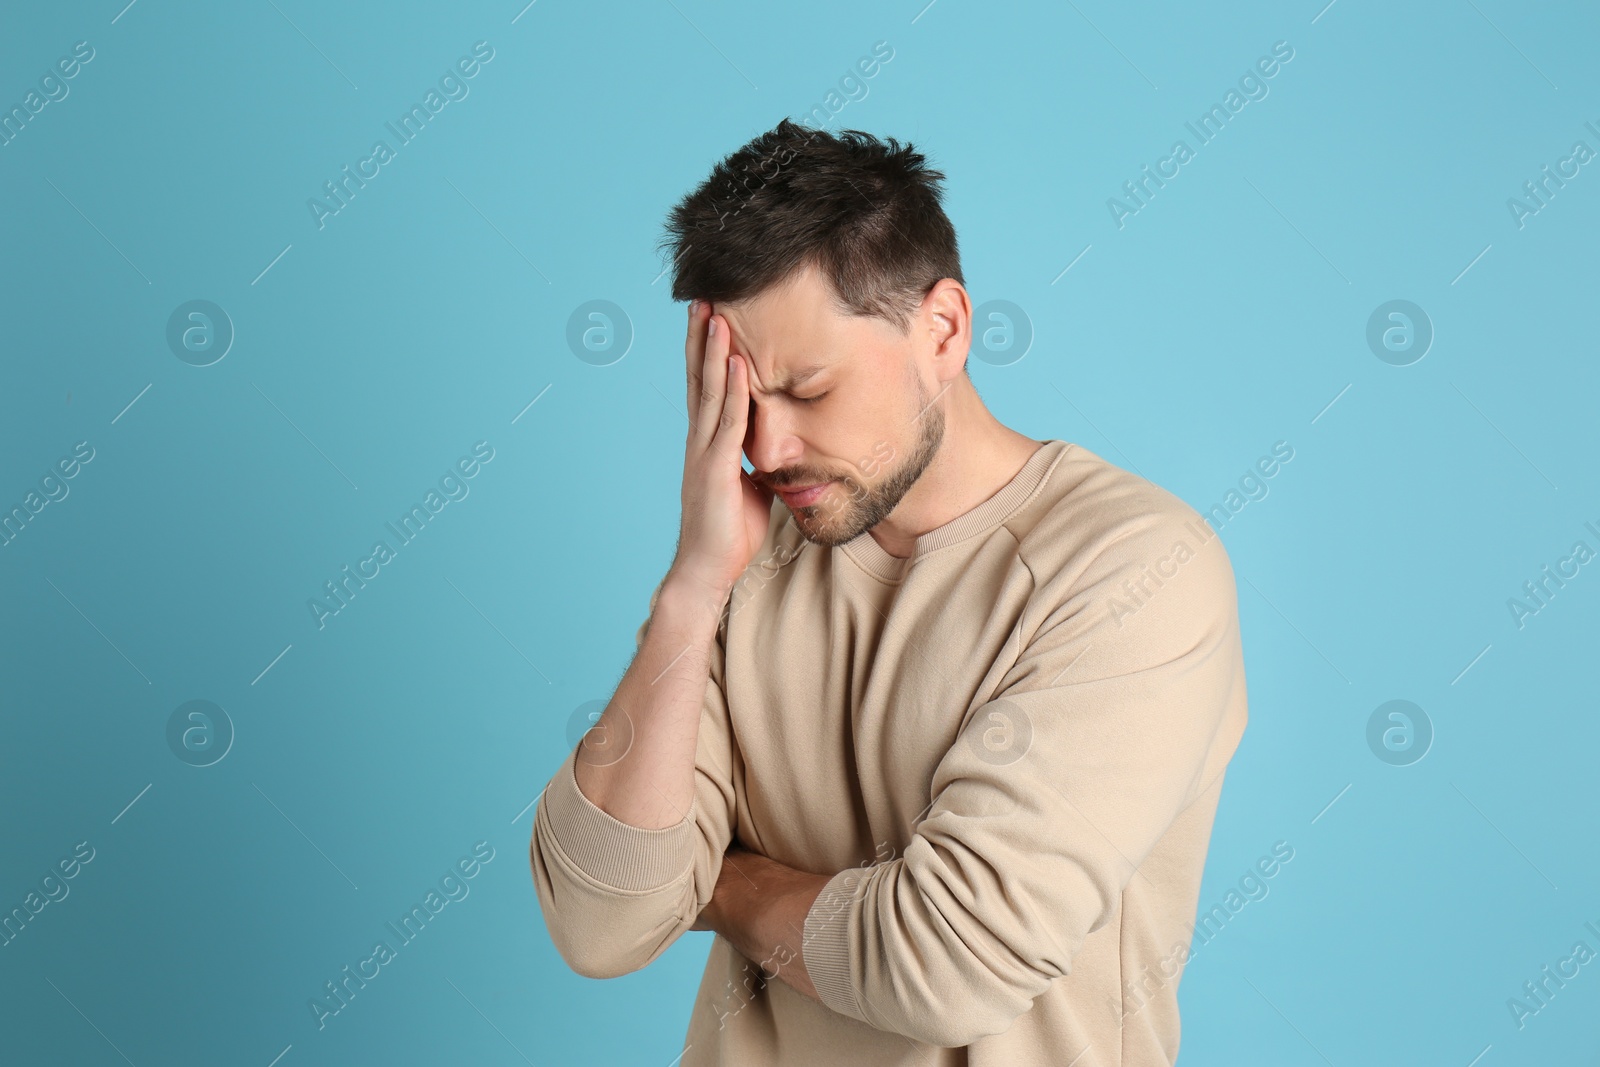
1087, 504
1106, 540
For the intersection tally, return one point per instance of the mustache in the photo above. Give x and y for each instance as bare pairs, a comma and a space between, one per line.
790, 483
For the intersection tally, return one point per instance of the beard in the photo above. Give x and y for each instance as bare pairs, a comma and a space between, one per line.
833, 521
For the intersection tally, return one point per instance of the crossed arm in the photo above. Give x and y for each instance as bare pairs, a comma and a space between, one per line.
760, 906
1116, 733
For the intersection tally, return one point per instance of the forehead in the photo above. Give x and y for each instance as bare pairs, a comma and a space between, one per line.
791, 332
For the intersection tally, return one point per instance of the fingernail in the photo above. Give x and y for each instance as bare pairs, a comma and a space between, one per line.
711, 330
730, 366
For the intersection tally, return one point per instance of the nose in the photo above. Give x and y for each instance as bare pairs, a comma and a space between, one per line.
768, 440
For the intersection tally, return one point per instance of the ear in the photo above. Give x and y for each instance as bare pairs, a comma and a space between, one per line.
945, 318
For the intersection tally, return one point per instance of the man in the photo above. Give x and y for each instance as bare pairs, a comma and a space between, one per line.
929, 719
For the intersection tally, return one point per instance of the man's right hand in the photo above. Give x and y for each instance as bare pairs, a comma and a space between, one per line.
725, 513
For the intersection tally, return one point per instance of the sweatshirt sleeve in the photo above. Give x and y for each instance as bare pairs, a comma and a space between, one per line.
616, 896
1050, 798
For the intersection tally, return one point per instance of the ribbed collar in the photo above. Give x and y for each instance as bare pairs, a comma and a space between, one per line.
865, 551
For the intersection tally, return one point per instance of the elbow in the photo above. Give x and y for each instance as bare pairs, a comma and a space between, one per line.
600, 950
588, 962
609, 948
597, 952
600, 931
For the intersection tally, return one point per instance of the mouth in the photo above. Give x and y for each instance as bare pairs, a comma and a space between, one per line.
799, 498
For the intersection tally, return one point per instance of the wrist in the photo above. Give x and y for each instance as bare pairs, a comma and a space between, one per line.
686, 595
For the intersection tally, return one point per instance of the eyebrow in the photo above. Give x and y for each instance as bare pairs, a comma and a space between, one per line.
796, 377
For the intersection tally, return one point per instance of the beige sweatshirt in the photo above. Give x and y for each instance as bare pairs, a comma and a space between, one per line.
1009, 747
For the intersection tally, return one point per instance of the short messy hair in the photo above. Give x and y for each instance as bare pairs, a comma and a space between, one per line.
865, 211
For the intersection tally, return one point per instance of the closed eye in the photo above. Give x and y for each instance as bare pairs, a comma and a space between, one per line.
810, 399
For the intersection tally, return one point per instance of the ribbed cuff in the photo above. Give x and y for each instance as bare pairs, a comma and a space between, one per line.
826, 950
628, 858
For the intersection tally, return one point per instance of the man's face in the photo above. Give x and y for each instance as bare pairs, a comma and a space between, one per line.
834, 398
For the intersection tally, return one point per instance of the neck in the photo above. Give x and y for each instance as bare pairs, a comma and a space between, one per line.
977, 458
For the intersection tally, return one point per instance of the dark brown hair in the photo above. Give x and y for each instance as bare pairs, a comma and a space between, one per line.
866, 212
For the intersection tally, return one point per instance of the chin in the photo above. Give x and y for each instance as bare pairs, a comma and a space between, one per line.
811, 531
832, 530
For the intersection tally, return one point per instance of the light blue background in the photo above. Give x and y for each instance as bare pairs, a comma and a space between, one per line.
1225, 316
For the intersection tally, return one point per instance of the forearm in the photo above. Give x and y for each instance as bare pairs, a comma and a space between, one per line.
760, 906
637, 764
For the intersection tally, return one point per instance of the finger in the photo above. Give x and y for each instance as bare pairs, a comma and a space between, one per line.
713, 377
735, 408
694, 355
